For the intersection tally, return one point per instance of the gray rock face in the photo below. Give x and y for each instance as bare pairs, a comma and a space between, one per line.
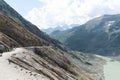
46, 61
49, 62
40, 63
2, 47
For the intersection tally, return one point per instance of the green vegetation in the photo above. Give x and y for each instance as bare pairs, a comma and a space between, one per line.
1, 51
100, 35
62, 36
16, 20
79, 78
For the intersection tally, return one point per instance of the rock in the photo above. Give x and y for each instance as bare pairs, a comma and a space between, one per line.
2, 48
47, 61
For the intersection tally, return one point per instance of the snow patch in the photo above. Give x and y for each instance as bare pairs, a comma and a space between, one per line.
107, 26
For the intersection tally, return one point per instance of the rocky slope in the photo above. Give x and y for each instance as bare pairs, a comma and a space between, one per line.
44, 62
100, 35
9, 11
89, 63
10, 71
15, 35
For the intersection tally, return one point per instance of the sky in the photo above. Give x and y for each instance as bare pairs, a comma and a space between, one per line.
53, 13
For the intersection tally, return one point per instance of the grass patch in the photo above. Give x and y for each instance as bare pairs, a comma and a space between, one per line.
79, 78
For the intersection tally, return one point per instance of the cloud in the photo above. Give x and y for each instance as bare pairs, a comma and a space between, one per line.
59, 12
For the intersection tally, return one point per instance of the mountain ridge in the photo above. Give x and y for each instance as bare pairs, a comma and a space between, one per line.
9, 11
32, 57
14, 35
99, 35
36, 56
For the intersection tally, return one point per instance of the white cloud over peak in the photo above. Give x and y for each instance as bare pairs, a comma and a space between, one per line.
59, 12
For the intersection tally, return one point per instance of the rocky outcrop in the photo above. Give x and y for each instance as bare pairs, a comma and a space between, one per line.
6, 43
49, 62
40, 62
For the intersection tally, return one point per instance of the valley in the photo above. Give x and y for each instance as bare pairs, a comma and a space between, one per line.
89, 51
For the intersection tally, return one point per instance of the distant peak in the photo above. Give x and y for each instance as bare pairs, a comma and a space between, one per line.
111, 15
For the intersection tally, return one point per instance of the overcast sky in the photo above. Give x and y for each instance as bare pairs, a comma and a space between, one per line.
52, 13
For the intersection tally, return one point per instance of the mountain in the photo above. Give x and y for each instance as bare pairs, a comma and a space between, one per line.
33, 56
100, 35
9, 11
26, 56
62, 35
58, 28
50, 30
13, 34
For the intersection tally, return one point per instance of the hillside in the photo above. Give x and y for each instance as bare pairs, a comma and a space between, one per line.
26, 56
9, 11
100, 35
44, 60
36, 63
15, 35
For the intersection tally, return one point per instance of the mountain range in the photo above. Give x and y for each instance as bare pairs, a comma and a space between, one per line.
100, 35
27, 53
58, 28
